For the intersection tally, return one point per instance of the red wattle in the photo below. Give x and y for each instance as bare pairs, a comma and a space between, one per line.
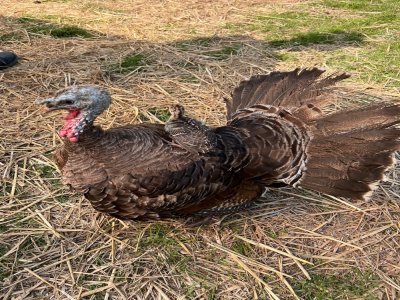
69, 124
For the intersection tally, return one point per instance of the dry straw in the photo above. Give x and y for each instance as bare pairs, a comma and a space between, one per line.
55, 246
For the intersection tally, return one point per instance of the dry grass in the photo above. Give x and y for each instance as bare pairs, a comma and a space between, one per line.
55, 246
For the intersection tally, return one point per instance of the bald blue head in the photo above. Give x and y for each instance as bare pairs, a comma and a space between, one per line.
83, 97
84, 103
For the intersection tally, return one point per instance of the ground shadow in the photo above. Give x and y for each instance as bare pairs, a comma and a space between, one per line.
335, 38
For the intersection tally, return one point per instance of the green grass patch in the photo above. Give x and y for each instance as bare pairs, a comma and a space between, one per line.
101, 260
362, 35
62, 198
28, 20
131, 62
362, 5
82, 278
241, 247
40, 27
352, 285
224, 53
13, 36
3, 228
283, 56
59, 31
162, 237
4, 270
380, 63
160, 113
3, 250
197, 42
157, 235
45, 171
304, 28
70, 31
20, 221
49, 173
313, 38
178, 261
272, 234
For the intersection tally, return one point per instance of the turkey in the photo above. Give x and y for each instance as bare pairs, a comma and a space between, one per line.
276, 135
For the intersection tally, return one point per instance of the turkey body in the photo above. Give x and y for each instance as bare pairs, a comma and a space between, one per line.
139, 172
276, 135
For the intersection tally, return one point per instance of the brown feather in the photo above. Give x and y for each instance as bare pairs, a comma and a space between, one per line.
352, 150
230, 201
292, 90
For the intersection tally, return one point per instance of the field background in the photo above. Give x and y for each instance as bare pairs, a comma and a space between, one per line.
293, 244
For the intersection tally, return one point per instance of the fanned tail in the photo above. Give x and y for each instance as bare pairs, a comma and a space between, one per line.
352, 149
344, 153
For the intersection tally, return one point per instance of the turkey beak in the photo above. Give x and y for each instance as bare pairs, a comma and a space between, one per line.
51, 104
48, 103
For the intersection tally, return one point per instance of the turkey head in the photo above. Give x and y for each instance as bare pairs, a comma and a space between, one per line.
84, 104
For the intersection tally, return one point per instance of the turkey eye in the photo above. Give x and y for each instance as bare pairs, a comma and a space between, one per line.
67, 102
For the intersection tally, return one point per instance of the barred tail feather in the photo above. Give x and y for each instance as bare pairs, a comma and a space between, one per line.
351, 150
298, 89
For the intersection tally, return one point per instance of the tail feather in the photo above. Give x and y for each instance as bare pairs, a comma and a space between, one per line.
284, 89
369, 117
351, 150
343, 154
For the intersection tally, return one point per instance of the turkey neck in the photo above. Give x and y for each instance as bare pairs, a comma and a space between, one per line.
88, 138
76, 124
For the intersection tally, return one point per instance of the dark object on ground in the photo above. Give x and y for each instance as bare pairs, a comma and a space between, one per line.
7, 59
276, 135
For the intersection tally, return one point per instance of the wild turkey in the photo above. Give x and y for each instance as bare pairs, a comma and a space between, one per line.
276, 135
